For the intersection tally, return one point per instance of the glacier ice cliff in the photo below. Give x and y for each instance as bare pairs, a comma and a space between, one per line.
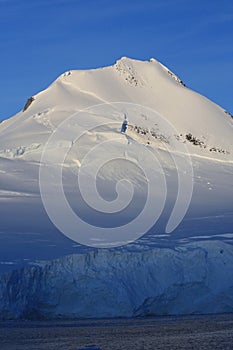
195, 278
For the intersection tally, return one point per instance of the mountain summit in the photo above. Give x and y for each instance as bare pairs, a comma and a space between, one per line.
146, 83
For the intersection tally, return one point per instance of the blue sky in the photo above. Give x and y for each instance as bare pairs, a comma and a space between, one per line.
41, 39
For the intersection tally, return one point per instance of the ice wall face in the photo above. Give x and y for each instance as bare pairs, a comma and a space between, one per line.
105, 283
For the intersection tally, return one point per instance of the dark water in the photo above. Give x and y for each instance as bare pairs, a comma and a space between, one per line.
187, 332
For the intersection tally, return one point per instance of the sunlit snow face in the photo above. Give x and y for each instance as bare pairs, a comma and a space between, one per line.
119, 175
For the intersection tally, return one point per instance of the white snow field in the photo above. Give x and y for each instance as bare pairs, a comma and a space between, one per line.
179, 257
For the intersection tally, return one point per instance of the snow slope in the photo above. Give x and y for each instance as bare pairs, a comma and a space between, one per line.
166, 119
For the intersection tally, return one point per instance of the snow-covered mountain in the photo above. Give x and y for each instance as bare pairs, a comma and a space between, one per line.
74, 125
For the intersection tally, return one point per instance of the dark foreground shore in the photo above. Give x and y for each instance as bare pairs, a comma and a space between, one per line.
186, 332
